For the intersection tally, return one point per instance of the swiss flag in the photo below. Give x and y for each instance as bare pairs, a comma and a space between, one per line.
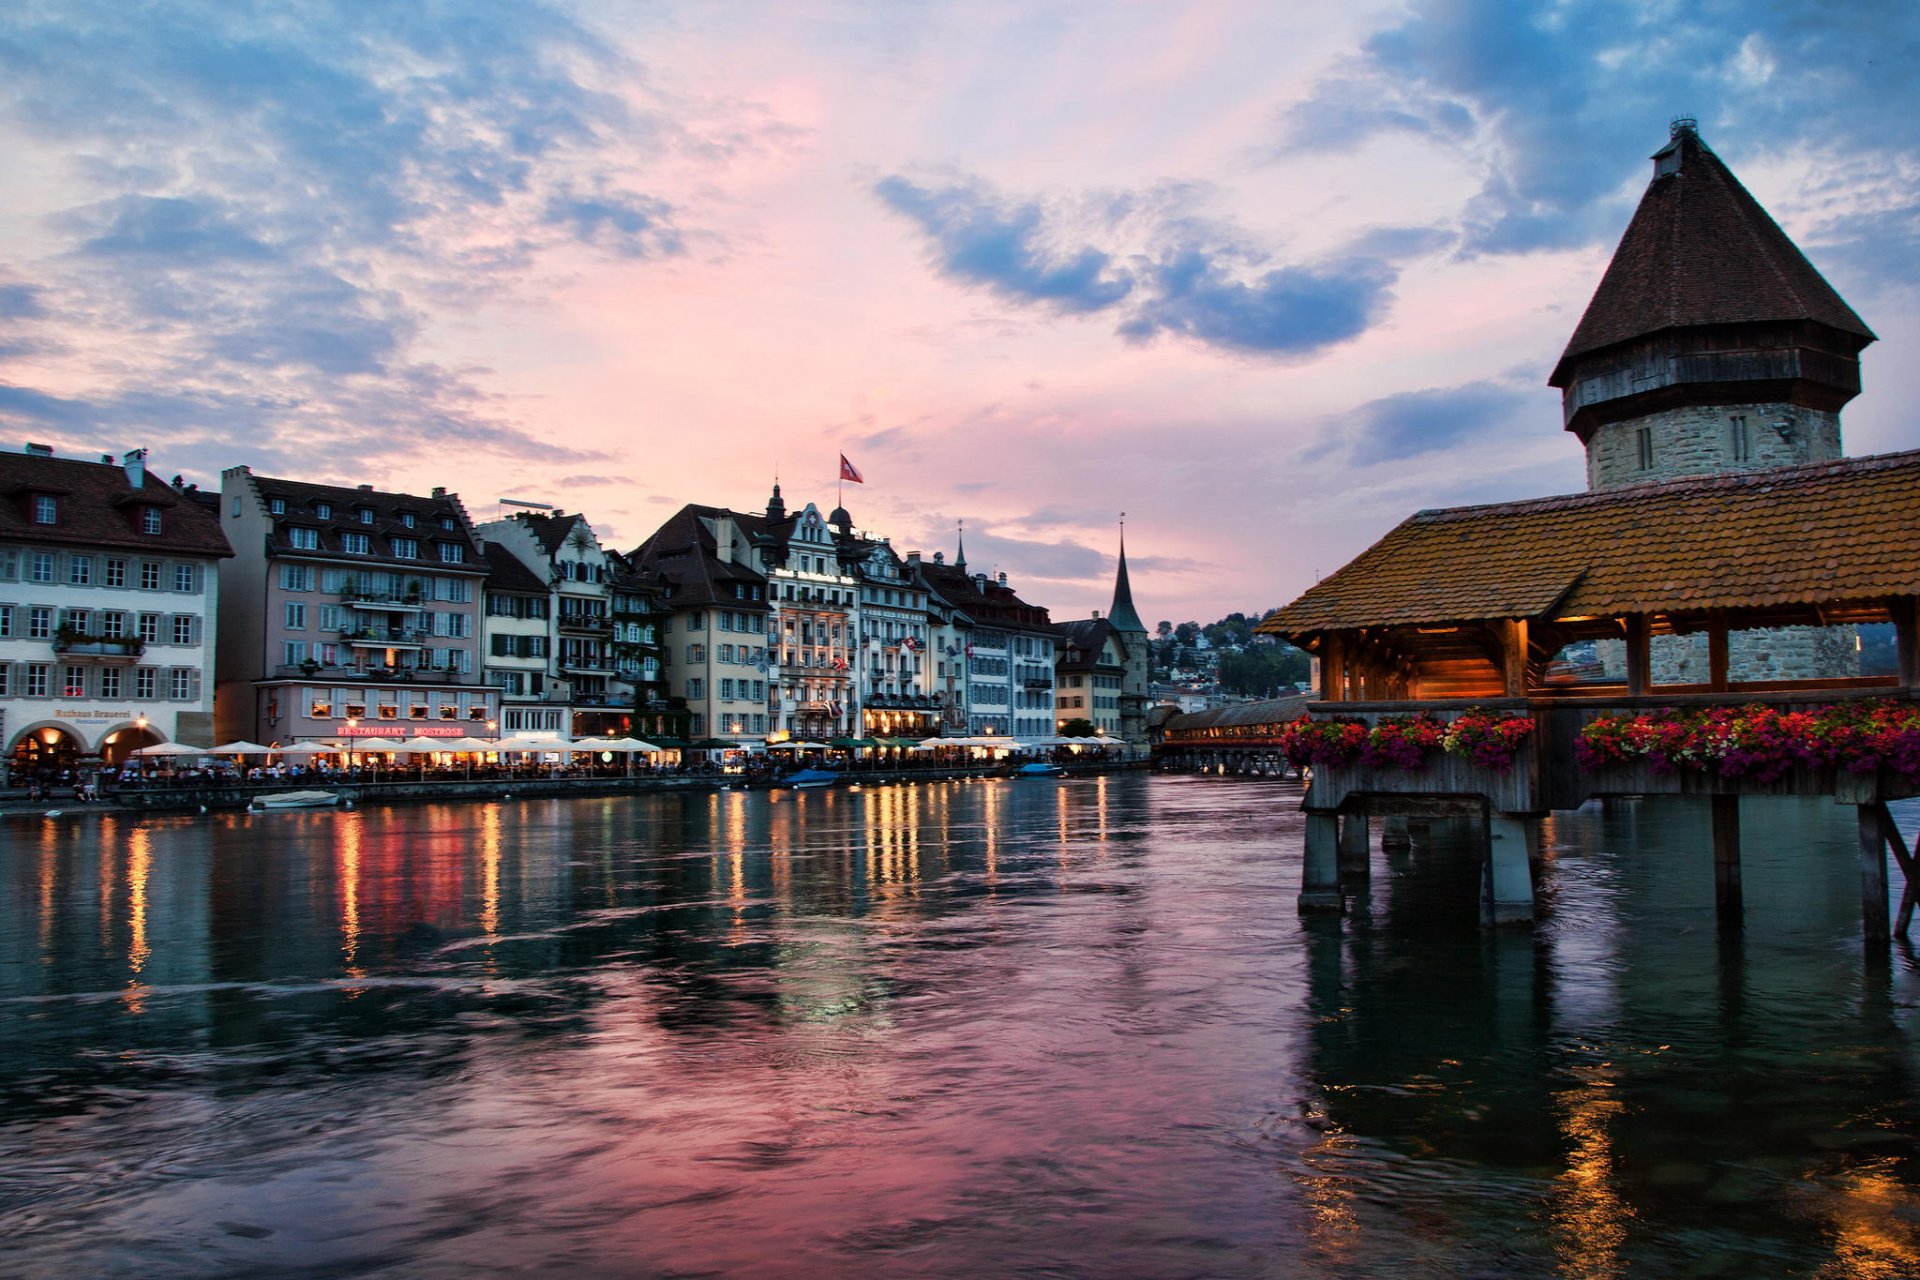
850, 472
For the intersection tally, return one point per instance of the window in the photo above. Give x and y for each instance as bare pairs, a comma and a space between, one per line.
365, 514
406, 548
696, 653
150, 520
697, 725
354, 710
79, 570
181, 682
389, 711
452, 553
1643, 438
150, 628
149, 575
116, 572
40, 567
113, 624
35, 684
726, 691
296, 577
406, 518
293, 652
321, 709
185, 578
183, 628
40, 622
278, 506
333, 618
6, 621
354, 543
476, 713
77, 621
446, 522
323, 510
73, 682
302, 539
143, 681
1742, 444
296, 616
696, 688
417, 712
46, 509
696, 621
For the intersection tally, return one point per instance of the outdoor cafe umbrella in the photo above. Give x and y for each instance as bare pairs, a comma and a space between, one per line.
420, 745
170, 749
376, 744
309, 749
532, 742
240, 748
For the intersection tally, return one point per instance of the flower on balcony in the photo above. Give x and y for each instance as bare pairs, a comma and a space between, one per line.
1307, 741
1404, 742
1758, 741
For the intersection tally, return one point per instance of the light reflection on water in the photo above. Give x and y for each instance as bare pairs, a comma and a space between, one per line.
950, 1028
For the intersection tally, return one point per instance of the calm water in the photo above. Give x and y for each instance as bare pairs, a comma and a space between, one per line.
998, 1028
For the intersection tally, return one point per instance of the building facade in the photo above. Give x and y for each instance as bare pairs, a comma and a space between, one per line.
109, 591
1009, 652
349, 612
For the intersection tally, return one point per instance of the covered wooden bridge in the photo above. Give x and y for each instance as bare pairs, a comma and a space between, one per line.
1474, 607
1241, 737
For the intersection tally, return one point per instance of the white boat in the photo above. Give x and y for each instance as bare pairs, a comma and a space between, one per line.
1037, 769
296, 800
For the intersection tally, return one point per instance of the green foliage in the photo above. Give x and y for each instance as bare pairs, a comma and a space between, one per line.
1258, 671
1078, 728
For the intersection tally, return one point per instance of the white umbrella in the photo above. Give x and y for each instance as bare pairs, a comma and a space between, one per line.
469, 744
421, 745
375, 744
170, 749
309, 749
241, 748
628, 745
533, 742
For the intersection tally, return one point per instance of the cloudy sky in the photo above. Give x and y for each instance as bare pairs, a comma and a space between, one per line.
1263, 278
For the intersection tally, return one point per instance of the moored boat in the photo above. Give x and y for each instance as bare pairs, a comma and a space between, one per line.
805, 779
296, 800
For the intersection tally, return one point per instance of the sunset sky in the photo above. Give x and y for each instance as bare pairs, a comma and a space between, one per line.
1267, 280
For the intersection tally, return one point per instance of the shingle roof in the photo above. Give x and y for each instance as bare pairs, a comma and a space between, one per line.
989, 605
1701, 251
1083, 639
98, 506
1265, 711
1803, 535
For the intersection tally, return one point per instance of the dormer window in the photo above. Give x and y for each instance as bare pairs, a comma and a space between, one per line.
46, 509
406, 518
303, 539
365, 514
323, 510
150, 521
446, 522
278, 506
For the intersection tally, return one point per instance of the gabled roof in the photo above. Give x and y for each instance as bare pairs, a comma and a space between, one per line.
506, 573
550, 529
1083, 640
1701, 251
1814, 534
1125, 617
99, 506
685, 555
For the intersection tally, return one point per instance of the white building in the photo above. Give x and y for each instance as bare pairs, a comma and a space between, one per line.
108, 591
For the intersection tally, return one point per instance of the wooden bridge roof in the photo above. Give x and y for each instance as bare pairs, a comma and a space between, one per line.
1807, 535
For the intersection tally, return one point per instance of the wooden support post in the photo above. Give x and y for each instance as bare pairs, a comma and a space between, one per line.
1727, 897
1320, 868
1904, 858
1718, 660
1333, 668
1873, 875
1507, 883
1513, 652
1394, 836
1906, 640
1356, 849
1639, 656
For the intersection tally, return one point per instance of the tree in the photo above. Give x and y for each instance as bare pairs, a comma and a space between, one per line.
1078, 728
1186, 633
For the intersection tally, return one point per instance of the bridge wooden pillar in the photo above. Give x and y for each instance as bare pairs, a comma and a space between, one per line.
1873, 875
1356, 849
1320, 867
1507, 880
1906, 639
1639, 655
1727, 897
1333, 668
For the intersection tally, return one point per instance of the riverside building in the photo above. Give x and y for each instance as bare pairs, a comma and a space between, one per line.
349, 612
1009, 653
109, 587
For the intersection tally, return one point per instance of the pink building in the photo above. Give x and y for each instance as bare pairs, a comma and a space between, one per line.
349, 612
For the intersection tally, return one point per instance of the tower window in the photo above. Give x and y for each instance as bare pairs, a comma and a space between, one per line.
1644, 439
1742, 444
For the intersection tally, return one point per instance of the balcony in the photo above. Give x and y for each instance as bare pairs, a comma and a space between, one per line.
588, 664
900, 702
377, 675
386, 638
98, 649
586, 624
383, 601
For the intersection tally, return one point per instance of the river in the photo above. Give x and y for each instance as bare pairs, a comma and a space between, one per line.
984, 1028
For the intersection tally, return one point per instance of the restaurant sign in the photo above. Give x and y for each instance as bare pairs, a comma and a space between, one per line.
398, 729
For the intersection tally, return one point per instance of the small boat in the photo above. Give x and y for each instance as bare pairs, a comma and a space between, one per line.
805, 779
296, 800
1037, 769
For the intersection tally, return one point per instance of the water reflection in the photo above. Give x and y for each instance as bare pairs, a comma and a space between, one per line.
942, 1029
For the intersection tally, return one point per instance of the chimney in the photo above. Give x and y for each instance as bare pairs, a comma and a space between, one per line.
39, 450
723, 537
913, 559
135, 462
1002, 579
939, 557
107, 458
439, 491
366, 488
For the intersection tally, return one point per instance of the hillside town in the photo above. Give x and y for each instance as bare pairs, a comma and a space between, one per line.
139, 612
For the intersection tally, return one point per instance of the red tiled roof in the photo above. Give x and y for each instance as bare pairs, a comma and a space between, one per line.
1701, 251
1814, 534
684, 554
99, 507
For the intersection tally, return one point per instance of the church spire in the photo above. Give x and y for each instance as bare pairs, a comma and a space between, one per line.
960, 555
1123, 616
776, 505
